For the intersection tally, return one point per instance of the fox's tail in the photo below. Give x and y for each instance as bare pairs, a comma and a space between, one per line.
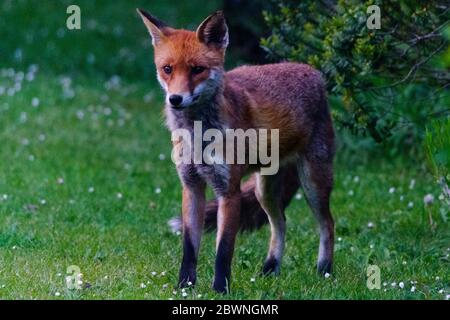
252, 215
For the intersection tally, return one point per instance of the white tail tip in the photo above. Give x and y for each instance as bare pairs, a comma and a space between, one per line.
175, 224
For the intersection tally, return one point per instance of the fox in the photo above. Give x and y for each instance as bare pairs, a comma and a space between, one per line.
289, 97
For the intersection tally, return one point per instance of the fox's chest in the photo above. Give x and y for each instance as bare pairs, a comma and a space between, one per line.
215, 175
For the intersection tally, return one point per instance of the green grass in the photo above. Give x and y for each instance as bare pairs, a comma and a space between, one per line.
81, 173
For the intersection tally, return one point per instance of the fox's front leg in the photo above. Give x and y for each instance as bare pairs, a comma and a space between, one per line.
227, 228
193, 219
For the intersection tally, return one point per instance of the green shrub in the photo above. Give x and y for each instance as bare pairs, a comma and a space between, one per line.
389, 81
437, 147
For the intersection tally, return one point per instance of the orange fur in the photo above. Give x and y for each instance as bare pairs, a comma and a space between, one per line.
289, 97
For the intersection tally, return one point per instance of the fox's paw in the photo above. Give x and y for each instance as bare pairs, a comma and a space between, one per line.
324, 267
186, 283
271, 266
220, 285
187, 279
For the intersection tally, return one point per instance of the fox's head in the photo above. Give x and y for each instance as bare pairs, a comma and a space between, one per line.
189, 64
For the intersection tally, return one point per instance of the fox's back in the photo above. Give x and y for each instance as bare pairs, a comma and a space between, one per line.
291, 85
286, 96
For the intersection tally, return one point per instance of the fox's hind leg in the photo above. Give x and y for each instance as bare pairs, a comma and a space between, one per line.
316, 178
268, 193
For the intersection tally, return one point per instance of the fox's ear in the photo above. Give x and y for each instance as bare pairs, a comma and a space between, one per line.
213, 31
155, 26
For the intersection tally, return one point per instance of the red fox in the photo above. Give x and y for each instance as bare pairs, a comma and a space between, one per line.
290, 97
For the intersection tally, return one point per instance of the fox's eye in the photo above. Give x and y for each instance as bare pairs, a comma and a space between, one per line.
167, 69
198, 69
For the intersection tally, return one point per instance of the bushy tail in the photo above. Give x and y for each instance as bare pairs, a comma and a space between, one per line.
252, 215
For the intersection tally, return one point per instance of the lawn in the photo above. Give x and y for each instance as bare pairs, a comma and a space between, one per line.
86, 179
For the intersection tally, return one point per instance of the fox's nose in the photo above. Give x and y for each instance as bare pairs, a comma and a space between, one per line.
175, 99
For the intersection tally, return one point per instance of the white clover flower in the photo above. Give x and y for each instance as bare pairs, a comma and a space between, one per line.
107, 111
148, 97
327, 275
29, 76
158, 190
60, 180
351, 193
401, 285
370, 224
163, 273
143, 286
33, 68
91, 189
17, 86
428, 199
153, 273
80, 114
162, 157
35, 102
298, 196
252, 279
391, 190
199, 295
189, 283
413, 288
165, 285
184, 294
356, 179
57, 294
119, 195
339, 239
412, 184
393, 284
410, 205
